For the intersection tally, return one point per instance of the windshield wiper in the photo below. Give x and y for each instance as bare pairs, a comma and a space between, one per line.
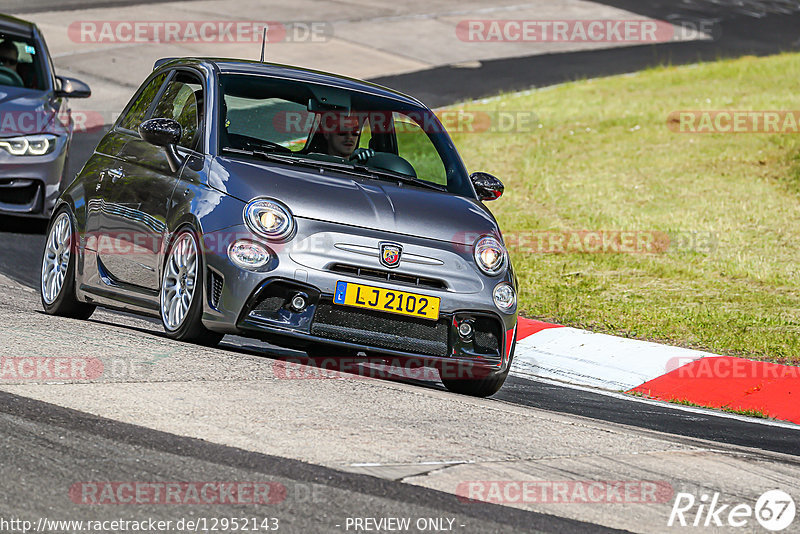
265, 155
347, 168
293, 159
404, 178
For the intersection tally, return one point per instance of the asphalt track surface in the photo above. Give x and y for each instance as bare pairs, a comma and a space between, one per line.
740, 28
37, 6
41, 440
317, 499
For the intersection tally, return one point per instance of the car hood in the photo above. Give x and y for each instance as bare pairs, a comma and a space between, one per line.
26, 111
355, 201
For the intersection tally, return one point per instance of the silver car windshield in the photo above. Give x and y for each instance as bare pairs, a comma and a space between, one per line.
324, 124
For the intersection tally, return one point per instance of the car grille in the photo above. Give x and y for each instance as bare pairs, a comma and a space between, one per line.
380, 330
388, 276
268, 306
488, 333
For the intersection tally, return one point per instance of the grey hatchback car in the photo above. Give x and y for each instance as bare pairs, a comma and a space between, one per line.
36, 123
310, 210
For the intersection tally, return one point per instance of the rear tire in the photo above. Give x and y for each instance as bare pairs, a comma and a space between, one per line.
57, 278
181, 294
480, 387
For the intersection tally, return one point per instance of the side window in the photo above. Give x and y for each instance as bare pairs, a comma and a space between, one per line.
135, 115
414, 145
366, 135
182, 101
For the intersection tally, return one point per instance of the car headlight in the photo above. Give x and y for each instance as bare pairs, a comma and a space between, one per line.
505, 298
269, 218
490, 255
29, 145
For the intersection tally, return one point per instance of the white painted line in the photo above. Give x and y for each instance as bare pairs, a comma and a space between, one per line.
598, 360
453, 462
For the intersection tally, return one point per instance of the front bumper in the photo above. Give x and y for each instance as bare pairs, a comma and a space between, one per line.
30, 185
256, 304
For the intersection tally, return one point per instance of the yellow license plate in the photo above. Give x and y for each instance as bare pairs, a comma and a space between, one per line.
388, 300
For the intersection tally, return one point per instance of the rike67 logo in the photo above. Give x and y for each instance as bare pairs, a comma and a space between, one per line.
774, 510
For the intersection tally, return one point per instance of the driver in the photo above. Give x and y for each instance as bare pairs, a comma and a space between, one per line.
342, 139
9, 55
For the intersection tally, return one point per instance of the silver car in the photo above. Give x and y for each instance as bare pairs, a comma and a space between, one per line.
307, 209
36, 124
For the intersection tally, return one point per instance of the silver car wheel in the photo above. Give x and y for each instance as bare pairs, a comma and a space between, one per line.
56, 258
179, 281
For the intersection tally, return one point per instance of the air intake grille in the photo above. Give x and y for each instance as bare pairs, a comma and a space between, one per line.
388, 276
214, 288
488, 333
13, 193
269, 305
380, 330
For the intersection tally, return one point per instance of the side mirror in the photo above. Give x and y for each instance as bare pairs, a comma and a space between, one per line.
165, 133
72, 88
487, 186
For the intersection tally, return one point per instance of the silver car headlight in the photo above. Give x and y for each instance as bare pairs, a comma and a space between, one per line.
269, 218
29, 145
505, 298
248, 254
490, 255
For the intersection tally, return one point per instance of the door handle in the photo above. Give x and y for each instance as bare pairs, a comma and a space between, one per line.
115, 174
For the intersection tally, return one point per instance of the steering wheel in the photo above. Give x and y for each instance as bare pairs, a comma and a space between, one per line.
9, 77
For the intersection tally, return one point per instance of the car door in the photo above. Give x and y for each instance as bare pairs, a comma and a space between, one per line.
105, 168
140, 192
105, 164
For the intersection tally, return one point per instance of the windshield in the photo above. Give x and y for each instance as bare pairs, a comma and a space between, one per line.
322, 125
20, 62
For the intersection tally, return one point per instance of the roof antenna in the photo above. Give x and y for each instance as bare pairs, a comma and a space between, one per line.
263, 43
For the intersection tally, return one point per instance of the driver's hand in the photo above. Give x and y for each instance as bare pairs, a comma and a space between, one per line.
361, 155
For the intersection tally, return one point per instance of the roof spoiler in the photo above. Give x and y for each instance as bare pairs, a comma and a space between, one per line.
163, 60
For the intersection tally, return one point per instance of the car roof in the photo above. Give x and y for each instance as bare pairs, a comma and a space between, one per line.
18, 26
289, 72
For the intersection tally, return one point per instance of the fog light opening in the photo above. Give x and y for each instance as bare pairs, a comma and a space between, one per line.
465, 329
299, 302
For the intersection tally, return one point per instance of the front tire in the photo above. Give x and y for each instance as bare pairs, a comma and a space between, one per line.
479, 387
181, 294
57, 280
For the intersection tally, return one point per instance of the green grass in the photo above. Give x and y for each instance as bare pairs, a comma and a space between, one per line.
604, 159
759, 414
747, 412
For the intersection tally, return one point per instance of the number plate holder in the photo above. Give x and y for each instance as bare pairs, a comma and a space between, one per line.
387, 300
